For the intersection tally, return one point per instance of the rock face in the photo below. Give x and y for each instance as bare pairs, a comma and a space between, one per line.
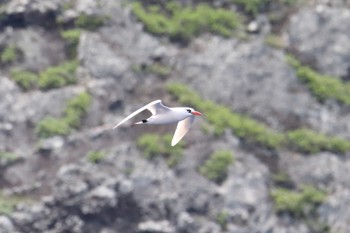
123, 67
319, 37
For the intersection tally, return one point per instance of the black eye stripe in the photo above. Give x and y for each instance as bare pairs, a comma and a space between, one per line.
189, 110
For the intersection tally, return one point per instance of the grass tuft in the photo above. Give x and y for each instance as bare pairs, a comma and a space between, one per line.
154, 145
323, 87
58, 76
215, 168
52, 77
183, 23
96, 156
89, 22
25, 79
9, 54
74, 112
297, 203
71, 37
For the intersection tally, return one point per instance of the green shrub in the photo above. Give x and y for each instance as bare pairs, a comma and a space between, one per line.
251, 6
298, 203
58, 76
155, 145
282, 179
96, 156
74, 112
255, 6
77, 108
25, 79
52, 77
71, 37
184, 23
8, 203
215, 168
89, 22
9, 54
156, 68
222, 220
8, 156
275, 41
309, 141
50, 126
323, 87
159, 69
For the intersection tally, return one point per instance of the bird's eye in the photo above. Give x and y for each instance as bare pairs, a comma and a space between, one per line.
189, 110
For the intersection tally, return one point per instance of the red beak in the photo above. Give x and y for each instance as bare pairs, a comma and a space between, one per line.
196, 113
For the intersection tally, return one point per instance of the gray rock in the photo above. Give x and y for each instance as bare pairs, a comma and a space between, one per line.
6, 224
50, 144
99, 198
326, 170
155, 227
335, 212
26, 6
320, 37
39, 48
221, 71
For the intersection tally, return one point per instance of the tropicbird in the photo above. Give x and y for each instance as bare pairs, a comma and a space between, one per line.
164, 115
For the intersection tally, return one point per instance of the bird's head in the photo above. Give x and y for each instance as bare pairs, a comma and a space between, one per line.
191, 111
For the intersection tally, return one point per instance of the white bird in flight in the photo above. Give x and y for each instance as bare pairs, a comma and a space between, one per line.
165, 115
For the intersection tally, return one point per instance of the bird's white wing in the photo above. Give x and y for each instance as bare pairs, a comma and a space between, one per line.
153, 107
181, 129
157, 107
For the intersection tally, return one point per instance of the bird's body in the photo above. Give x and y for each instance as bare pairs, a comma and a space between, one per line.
165, 115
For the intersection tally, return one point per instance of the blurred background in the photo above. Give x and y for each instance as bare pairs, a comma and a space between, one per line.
271, 153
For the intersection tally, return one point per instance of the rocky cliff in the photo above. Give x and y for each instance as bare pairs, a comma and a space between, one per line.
271, 152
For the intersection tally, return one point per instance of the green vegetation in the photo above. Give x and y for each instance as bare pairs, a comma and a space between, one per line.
50, 126
8, 156
76, 109
74, 112
183, 23
155, 145
8, 203
215, 168
159, 69
323, 87
254, 6
256, 133
71, 37
96, 156
58, 76
156, 68
282, 179
274, 41
222, 117
25, 79
52, 77
89, 22
9, 54
222, 220
308, 141
251, 6
298, 203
